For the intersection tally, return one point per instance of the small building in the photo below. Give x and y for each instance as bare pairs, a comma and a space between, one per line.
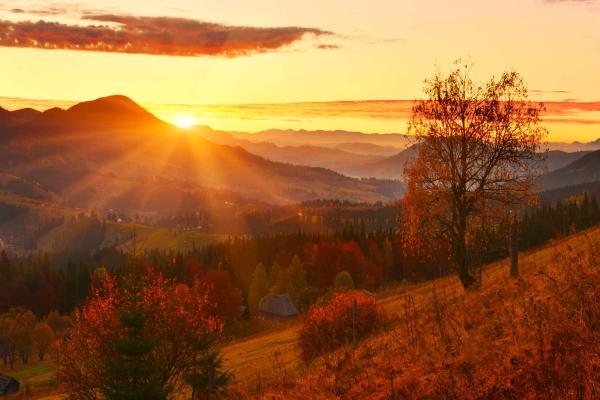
8, 385
278, 306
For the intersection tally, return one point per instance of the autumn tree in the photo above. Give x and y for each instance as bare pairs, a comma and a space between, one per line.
174, 319
258, 288
478, 153
43, 337
222, 294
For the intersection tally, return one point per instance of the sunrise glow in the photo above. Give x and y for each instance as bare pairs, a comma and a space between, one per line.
185, 121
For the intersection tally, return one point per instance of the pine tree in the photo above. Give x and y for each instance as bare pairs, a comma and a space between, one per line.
131, 373
388, 260
258, 288
283, 283
299, 281
207, 378
273, 273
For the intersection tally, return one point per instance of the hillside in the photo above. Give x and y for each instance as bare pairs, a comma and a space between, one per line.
484, 327
437, 331
101, 153
388, 168
334, 158
585, 169
337, 138
393, 167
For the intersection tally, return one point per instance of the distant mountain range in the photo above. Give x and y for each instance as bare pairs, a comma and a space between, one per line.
111, 152
582, 170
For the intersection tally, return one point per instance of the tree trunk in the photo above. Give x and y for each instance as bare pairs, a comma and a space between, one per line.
514, 247
461, 254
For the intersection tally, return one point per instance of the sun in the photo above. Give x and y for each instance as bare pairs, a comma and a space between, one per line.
185, 121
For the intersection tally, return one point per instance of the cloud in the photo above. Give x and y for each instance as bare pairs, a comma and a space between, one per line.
152, 35
328, 46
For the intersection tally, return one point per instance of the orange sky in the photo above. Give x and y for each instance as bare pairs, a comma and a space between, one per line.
275, 52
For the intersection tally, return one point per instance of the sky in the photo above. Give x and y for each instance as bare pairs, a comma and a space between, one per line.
312, 64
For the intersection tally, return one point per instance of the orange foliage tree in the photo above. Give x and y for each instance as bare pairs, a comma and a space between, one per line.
178, 319
479, 152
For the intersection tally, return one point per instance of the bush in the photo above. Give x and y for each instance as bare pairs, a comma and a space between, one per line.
328, 327
343, 282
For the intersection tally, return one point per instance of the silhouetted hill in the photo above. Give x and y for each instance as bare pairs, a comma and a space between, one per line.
554, 195
313, 156
291, 137
11, 119
112, 112
585, 169
98, 153
388, 168
558, 159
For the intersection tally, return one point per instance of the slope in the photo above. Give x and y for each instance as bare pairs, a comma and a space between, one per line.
252, 359
97, 152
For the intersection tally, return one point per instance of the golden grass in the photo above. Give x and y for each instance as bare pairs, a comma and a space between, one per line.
269, 365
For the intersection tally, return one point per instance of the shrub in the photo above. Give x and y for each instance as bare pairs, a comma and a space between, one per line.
328, 327
344, 282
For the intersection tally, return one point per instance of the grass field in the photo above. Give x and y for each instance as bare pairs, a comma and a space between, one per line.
121, 235
262, 356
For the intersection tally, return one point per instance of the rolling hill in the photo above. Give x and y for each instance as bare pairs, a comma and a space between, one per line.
334, 158
583, 170
97, 153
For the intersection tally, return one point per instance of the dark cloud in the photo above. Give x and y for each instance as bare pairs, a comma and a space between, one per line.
328, 46
151, 35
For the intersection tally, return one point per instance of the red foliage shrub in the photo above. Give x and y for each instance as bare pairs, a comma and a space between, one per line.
328, 327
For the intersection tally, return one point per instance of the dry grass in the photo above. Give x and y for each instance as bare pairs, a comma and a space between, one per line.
448, 343
534, 337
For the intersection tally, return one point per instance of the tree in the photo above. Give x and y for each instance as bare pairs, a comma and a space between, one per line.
299, 281
222, 294
207, 377
132, 373
43, 337
174, 319
273, 273
478, 152
283, 283
258, 288
388, 260
344, 282
21, 333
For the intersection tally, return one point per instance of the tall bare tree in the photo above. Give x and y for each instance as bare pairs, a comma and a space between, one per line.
479, 153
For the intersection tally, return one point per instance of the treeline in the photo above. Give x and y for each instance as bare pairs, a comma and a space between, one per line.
301, 264
23, 335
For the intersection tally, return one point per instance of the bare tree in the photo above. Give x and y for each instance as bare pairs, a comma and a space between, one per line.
479, 153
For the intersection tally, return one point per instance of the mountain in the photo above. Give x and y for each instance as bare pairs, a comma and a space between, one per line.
557, 159
10, 119
368, 149
106, 113
575, 146
393, 167
388, 168
111, 151
585, 169
314, 156
335, 138
560, 194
